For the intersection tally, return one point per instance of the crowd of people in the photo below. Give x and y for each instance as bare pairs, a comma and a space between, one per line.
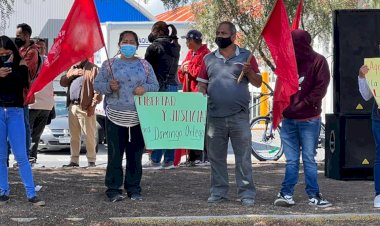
122, 77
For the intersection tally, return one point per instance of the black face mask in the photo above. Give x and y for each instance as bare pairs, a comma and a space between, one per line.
223, 42
151, 37
4, 58
19, 42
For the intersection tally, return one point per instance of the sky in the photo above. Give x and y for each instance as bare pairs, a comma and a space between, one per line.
153, 6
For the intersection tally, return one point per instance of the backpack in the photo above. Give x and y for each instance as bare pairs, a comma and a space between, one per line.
39, 63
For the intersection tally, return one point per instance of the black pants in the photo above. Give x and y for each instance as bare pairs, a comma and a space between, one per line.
118, 143
37, 122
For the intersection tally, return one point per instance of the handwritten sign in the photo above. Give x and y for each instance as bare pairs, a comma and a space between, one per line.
171, 120
373, 77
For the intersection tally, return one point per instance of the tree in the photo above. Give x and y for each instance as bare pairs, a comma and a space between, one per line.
250, 17
6, 9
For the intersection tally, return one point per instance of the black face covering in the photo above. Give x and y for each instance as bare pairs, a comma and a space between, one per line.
19, 42
151, 37
223, 42
4, 59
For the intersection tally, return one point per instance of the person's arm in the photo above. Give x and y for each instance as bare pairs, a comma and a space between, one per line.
363, 85
251, 70
152, 56
31, 59
102, 79
322, 80
66, 79
203, 79
151, 84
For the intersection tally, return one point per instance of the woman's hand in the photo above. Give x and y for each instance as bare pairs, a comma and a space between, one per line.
4, 71
114, 84
363, 71
139, 91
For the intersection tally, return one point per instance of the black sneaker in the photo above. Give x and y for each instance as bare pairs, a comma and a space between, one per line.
4, 199
36, 201
116, 198
319, 201
71, 164
135, 197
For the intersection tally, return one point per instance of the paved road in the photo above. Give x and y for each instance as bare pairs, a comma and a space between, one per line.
59, 158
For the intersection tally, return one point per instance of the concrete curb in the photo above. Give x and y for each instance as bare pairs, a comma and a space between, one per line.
239, 218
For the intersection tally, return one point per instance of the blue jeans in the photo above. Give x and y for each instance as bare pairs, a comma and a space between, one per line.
376, 167
27, 130
168, 153
12, 126
300, 136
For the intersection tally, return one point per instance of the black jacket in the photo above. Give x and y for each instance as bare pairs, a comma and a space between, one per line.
12, 87
163, 55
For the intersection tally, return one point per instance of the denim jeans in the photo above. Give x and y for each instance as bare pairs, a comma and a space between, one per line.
300, 137
219, 131
168, 153
376, 167
12, 126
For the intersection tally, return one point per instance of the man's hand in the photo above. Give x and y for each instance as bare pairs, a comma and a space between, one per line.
363, 71
76, 72
114, 84
202, 88
139, 91
247, 68
185, 66
4, 71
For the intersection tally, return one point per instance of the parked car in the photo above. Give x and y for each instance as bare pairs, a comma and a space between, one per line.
56, 135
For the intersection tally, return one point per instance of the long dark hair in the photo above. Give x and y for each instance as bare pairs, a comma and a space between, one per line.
8, 44
162, 26
129, 32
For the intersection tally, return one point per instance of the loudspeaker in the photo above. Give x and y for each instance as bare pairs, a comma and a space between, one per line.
349, 147
356, 36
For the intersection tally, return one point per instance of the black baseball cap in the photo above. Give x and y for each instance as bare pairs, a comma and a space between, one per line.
193, 34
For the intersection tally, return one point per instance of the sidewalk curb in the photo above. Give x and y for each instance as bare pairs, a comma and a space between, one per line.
240, 218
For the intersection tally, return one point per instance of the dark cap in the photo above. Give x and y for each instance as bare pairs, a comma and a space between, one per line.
193, 34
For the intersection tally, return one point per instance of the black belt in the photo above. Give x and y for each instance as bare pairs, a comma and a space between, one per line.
75, 102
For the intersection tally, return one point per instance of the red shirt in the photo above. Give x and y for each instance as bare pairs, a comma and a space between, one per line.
195, 60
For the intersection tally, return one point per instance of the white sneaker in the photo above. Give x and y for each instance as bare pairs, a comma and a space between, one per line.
284, 200
319, 201
376, 202
151, 165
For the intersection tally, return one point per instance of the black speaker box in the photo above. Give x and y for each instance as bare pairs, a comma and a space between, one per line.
349, 147
356, 36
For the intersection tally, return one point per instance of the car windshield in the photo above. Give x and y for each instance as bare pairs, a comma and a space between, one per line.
60, 108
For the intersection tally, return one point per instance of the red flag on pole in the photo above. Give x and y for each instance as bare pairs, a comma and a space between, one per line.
277, 36
297, 17
78, 39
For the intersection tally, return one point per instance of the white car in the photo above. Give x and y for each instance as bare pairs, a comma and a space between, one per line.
56, 135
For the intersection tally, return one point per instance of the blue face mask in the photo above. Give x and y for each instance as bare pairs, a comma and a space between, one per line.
128, 50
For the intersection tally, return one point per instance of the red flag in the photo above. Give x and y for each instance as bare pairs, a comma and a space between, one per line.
297, 18
79, 38
277, 36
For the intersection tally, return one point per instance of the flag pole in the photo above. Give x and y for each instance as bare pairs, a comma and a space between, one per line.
257, 43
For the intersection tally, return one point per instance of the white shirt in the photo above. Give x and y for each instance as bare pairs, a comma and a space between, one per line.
364, 89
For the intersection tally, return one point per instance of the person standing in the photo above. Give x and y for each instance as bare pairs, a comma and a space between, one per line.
367, 94
28, 52
228, 113
81, 101
13, 80
127, 76
163, 55
302, 122
40, 110
187, 75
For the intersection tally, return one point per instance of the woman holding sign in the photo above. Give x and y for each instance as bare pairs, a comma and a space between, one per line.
119, 79
366, 94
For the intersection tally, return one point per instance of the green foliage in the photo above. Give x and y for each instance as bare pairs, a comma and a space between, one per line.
6, 9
